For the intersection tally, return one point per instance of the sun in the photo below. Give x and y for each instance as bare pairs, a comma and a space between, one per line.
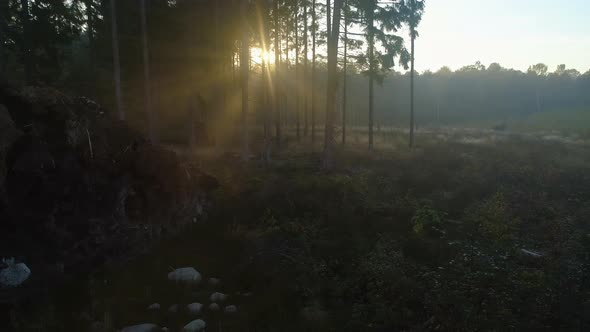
259, 55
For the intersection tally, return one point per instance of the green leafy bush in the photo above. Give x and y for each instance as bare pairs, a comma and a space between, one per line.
427, 219
492, 218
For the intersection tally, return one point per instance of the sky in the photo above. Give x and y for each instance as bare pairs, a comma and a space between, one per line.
514, 33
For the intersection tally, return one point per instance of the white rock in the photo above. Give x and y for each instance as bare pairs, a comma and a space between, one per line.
185, 274
173, 308
214, 307
195, 326
218, 297
214, 281
230, 309
154, 306
194, 308
14, 274
141, 328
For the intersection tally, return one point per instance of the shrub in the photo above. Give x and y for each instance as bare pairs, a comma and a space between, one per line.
492, 218
427, 219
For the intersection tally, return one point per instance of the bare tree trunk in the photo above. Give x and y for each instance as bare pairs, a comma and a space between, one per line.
146, 71
305, 70
285, 75
345, 79
220, 90
26, 46
313, 72
333, 38
328, 23
90, 32
413, 38
297, 82
116, 61
267, 82
90, 22
277, 84
3, 15
245, 69
371, 74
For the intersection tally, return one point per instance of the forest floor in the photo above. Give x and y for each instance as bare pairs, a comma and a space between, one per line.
485, 232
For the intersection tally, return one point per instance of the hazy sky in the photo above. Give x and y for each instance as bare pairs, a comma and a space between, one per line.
515, 33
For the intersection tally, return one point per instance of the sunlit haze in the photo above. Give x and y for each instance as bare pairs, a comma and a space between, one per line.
514, 33
278, 165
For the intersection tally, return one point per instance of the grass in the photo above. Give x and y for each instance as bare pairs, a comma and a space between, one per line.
395, 239
565, 121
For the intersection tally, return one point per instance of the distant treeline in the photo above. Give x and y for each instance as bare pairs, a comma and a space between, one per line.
474, 94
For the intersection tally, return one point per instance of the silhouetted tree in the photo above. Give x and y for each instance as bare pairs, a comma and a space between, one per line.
416, 8
3, 30
277, 85
26, 43
345, 71
333, 38
305, 69
146, 71
389, 16
313, 67
244, 70
540, 70
297, 74
116, 61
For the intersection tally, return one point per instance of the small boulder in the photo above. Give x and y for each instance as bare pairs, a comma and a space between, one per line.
230, 309
195, 326
13, 275
218, 297
147, 327
186, 275
214, 307
194, 308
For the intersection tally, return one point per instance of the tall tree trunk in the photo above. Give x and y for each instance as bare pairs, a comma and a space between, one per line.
333, 38
286, 62
328, 17
219, 98
267, 82
297, 82
413, 38
345, 79
26, 46
245, 69
3, 15
313, 72
90, 32
277, 77
116, 61
305, 71
146, 71
371, 40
